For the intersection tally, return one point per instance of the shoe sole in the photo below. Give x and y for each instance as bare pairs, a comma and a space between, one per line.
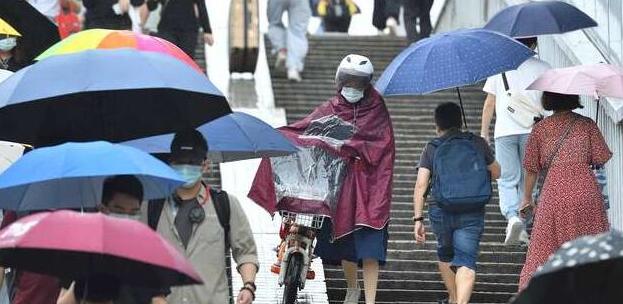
513, 237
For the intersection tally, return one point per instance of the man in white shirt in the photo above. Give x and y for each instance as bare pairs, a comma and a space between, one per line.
510, 136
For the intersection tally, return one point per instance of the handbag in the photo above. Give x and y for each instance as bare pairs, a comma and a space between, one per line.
521, 108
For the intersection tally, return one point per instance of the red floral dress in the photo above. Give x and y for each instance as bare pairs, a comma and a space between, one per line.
570, 204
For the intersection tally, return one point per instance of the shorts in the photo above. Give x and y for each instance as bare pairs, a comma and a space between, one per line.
458, 236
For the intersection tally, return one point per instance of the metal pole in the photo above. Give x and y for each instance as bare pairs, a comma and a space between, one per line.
458, 91
597, 112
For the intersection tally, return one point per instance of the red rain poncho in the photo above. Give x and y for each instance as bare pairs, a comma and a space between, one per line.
363, 195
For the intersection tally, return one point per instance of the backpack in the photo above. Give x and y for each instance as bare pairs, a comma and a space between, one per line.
221, 206
461, 181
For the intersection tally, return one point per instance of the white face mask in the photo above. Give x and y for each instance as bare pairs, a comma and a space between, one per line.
7, 44
135, 217
190, 173
351, 95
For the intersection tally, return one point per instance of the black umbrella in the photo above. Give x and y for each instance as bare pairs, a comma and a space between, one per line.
585, 270
38, 32
112, 95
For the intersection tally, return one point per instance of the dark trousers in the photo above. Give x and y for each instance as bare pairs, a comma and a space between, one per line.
340, 25
187, 41
384, 9
415, 10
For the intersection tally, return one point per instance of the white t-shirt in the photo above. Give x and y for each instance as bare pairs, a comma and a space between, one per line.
518, 80
49, 8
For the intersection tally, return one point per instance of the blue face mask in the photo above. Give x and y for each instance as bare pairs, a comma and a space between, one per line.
7, 44
190, 173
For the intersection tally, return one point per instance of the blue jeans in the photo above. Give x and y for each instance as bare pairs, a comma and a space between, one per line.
458, 236
509, 152
294, 38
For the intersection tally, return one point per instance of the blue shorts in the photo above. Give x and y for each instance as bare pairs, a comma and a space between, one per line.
458, 236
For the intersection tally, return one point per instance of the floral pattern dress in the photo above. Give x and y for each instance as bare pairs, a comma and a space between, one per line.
570, 204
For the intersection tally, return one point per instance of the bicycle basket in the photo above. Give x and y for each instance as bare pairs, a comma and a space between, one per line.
313, 221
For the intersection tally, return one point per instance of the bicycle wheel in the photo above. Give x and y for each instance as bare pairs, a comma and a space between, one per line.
292, 279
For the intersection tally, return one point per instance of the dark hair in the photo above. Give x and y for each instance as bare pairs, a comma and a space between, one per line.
126, 184
560, 102
448, 116
97, 288
528, 41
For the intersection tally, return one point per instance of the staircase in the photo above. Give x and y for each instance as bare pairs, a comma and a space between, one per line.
410, 275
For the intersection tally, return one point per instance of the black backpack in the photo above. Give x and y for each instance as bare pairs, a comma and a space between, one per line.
221, 206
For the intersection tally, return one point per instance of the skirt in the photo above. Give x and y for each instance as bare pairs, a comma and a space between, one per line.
364, 243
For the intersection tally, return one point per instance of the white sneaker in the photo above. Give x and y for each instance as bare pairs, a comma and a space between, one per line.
524, 238
281, 59
391, 26
293, 75
352, 295
513, 231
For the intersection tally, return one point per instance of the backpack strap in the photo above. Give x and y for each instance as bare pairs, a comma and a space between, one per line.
154, 210
220, 199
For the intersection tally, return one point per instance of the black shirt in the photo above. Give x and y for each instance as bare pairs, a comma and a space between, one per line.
100, 14
179, 15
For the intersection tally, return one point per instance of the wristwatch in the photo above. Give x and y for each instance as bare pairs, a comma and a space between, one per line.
418, 219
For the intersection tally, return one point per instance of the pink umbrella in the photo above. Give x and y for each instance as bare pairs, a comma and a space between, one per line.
73, 245
597, 80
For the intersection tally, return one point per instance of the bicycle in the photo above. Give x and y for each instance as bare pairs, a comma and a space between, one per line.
296, 252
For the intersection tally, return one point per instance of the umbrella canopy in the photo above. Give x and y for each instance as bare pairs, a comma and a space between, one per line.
586, 270
449, 60
233, 137
7, 29
38, 33
539, 18
4, 74
596, 80
112, 39
113, 95
73, 245
72, 175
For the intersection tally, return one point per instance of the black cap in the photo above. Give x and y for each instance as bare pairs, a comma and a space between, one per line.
189, 146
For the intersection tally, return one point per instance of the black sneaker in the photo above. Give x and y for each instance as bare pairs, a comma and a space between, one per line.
444, 301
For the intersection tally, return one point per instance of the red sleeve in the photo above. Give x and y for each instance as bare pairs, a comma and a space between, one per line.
8, 219
600, 153
532, 155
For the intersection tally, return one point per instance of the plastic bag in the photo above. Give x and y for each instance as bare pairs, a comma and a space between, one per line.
314, 174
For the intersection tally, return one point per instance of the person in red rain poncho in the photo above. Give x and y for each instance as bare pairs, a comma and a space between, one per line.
349, 145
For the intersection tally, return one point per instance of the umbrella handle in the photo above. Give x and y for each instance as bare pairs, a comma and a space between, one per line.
597, 111
458, 91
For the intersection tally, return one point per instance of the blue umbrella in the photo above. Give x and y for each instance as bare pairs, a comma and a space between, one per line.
539, 18
451, 60
114, 95
71, 176
233, 137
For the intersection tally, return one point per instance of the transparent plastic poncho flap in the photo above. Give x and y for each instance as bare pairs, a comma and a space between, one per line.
314, 174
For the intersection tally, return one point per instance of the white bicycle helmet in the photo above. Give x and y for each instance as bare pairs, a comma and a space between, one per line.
354, 70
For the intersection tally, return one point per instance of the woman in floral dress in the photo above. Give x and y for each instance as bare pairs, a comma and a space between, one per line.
570, 204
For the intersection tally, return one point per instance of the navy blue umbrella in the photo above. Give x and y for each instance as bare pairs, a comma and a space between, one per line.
539, 18
233, 137
72, 175
451, 60
114, 95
